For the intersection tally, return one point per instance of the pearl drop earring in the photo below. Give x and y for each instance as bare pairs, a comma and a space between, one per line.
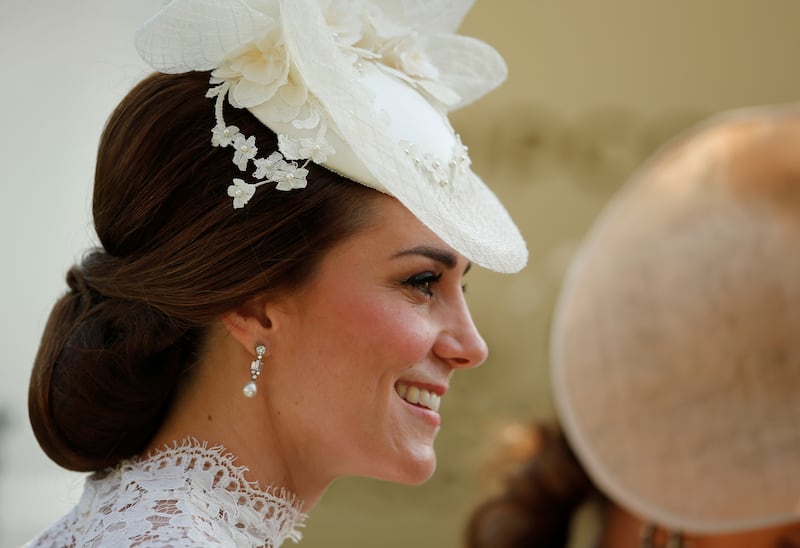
256, 366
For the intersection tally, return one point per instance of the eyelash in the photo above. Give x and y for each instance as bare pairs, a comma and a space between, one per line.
423, 282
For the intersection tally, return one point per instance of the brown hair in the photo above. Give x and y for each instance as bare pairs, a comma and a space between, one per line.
175, 256
539, 497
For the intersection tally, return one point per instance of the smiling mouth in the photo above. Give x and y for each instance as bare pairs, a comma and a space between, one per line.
418, 396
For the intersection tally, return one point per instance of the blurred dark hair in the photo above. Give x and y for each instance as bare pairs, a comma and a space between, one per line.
539, 497
175, 256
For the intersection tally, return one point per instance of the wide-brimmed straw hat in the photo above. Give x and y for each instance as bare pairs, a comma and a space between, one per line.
360, 87
676, 342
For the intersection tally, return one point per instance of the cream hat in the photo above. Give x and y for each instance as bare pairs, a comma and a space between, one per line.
360, 87
676, 343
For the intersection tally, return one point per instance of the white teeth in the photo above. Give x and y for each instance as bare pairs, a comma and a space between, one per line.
419, 396
425, 399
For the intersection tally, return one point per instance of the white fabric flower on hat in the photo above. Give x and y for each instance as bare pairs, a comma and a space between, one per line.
266, 167
290, 177
379, 28
256, 70
315, 149
241, 193
245, 150
408, 57
402, 51
346, 22
223, 136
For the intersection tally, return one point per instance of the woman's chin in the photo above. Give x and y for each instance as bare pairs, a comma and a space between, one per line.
417, 470
410, 470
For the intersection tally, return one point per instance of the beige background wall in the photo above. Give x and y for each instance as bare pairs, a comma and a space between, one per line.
593, 88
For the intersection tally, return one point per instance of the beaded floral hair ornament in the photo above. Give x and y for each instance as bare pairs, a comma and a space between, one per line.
359, 87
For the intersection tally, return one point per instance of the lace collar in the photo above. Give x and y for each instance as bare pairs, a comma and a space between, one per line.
217, 488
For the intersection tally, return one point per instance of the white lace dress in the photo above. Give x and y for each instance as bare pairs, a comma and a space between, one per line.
189, 495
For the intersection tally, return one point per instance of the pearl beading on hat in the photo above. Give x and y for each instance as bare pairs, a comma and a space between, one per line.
437, 171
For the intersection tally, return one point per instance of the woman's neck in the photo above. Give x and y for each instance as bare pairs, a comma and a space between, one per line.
211, 407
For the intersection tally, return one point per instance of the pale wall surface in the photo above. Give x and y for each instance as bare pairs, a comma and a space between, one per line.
592, 90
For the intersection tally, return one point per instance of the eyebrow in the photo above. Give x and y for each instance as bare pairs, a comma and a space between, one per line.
447, 258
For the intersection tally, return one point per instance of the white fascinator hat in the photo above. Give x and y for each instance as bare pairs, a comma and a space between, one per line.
360, 87
676, 343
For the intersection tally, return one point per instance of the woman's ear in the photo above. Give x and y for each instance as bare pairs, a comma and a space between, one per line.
249, 324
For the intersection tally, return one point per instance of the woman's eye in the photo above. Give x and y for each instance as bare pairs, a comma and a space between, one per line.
423, 282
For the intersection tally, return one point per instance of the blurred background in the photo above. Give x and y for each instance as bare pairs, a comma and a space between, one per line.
594, 88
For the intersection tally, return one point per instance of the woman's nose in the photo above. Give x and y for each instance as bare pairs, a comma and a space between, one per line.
459, 343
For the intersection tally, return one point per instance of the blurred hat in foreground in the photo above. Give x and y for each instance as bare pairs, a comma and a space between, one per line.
676, 343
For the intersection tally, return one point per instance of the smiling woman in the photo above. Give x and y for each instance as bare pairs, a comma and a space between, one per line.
220, 360
400, 312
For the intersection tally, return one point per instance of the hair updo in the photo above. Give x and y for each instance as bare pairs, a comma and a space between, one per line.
542, 492
175, 256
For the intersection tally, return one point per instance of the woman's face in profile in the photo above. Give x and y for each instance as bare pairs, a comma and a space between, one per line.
363, 354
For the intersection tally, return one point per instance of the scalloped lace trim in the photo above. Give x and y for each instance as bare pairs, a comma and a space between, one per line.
181, 496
